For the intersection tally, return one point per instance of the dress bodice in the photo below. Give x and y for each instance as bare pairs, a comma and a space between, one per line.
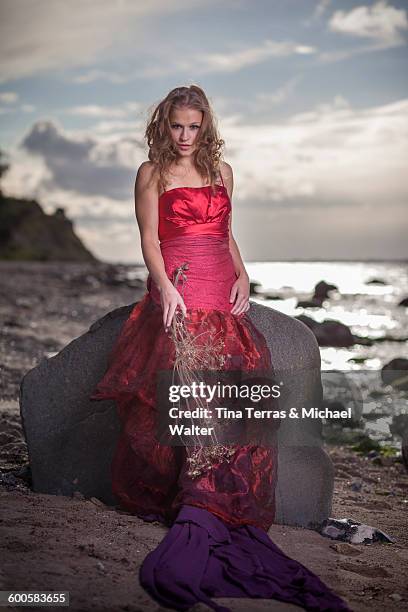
188, 211
194, 229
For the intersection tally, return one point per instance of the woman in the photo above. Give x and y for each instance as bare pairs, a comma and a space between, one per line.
218, 498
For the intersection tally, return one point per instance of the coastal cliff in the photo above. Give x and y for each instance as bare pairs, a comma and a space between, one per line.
28, 233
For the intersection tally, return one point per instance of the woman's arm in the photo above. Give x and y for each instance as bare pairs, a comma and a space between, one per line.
147, 216
240, 289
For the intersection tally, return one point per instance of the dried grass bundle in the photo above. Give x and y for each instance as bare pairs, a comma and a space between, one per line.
203, 351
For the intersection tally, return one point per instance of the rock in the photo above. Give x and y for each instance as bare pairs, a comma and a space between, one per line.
364, 341
321, 293
272, 296
323, 289
254, 289
329, 333
343, 386
395, 373
254, 286
27, 233
309, 303
78, 495
395, 596
7, 479
356, 485
376, 281
71, 440
399, 424
97, 502
24, 473
387, 338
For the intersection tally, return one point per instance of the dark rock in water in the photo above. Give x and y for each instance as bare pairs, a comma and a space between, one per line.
27, 233
399, 424
272, 296
309, 303
363, 341
329, 333
322, 290
71, 439
253, 288
392, 339
321, 293
403, 302
395, 373
376, 281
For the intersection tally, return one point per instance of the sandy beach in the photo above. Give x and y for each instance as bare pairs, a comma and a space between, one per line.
79, 545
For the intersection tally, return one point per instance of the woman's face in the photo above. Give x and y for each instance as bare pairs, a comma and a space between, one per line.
184, 127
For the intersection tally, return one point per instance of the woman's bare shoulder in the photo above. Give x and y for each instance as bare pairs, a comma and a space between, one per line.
146, 176
226, 170
227, 175
146, 170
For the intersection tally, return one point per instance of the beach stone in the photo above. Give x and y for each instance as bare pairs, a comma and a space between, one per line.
71, 439
322, 290
395, 373
321, 293
328, 332
396, 596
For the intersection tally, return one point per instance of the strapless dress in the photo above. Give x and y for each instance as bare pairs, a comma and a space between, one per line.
217, 544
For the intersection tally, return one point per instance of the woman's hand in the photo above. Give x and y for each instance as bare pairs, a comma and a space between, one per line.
240, 294
170, 300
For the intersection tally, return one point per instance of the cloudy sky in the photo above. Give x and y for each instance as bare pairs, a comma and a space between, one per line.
311, 97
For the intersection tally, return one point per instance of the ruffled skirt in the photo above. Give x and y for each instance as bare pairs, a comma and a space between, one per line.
150, 477
217, 544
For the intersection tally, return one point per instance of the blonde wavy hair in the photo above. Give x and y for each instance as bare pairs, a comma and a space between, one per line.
162, 150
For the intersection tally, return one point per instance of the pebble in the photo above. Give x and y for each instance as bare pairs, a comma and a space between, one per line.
78, 495
396, 596
356, 485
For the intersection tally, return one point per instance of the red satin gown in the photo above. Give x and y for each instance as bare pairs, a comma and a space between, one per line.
217, 545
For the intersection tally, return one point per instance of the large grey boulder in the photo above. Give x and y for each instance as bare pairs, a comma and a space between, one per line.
305, 484
71, 440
